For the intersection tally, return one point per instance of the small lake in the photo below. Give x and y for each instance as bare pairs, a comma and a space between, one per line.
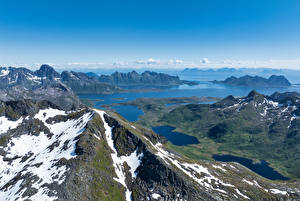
129, 112
262, 168
176, 138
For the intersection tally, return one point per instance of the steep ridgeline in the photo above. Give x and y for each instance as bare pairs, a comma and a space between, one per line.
50, 154
256, 81
256, 126
147, 78
46, 76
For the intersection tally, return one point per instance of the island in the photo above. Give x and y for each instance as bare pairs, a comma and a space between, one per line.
274, 81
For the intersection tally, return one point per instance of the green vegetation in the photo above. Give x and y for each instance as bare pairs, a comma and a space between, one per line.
98, 168
219, 131
3, 140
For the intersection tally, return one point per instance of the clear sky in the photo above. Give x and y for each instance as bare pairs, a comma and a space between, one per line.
155, 33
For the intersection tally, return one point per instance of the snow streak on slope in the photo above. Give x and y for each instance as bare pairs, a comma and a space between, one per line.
133, 160
197, 172
36, 158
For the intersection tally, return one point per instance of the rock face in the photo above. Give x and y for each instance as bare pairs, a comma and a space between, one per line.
147, 78
250, 81
47, 153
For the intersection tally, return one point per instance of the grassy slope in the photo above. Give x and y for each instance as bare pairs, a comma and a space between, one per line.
102, 186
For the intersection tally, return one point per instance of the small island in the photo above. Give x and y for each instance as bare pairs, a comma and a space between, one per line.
256, 81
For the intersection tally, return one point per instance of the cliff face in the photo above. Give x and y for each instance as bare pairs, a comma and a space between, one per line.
50, 154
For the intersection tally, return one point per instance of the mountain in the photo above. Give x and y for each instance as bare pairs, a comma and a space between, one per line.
256, 81
43, 84
84, 83
47, 153
256, 126
79, 82
146, 78
211, 70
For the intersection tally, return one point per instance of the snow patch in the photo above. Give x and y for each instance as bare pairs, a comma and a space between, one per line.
32, 155
219, 167
6, 124
4, 72
45, 114
276, 191
155, 196
241, 194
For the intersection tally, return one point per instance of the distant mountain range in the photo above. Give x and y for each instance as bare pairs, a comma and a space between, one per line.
146, 78
222, 73
256, 81
234, 70
84, 83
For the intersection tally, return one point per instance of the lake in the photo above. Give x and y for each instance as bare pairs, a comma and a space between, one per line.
129, 112
176, 138
261, 168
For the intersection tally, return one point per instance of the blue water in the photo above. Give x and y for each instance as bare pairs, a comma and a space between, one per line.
261, 168
176, 138
204, 88
129, 112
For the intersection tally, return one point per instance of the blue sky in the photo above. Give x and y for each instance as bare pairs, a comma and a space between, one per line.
156, 33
